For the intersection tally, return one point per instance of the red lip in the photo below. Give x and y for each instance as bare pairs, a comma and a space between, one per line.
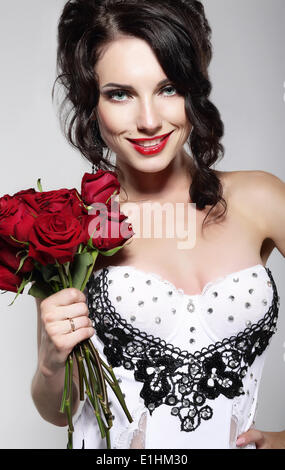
152, 138
154, 149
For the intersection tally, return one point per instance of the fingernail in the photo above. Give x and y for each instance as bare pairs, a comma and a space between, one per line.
240, 441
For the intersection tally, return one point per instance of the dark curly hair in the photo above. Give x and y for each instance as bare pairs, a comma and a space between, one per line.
179, 35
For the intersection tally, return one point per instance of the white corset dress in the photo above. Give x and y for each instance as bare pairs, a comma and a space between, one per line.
189, 365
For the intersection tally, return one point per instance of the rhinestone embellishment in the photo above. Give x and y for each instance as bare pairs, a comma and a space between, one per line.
230, 318
131, 289
247, 305
231, 297
251, 291
141, 303
118, 298
190, 306
210, 310
173, 310
132, 318
126, 275
158, 320
235, 279
148, 282
254, 274
154, 299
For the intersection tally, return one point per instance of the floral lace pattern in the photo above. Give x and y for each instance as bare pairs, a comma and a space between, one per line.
182, 380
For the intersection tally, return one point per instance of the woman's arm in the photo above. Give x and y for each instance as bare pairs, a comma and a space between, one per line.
48, 381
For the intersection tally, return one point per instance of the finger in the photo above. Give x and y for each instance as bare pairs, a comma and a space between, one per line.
74, 324
63, 297
71, 311
250, 436
68, 341
64, 327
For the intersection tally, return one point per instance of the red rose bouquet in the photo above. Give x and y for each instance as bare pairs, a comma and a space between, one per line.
52, 239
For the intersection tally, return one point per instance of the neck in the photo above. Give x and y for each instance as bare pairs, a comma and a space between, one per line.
170, 184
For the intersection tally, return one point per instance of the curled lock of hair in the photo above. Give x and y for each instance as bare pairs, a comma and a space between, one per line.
180, 37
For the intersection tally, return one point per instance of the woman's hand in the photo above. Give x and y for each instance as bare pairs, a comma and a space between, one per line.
57, 336
262, 439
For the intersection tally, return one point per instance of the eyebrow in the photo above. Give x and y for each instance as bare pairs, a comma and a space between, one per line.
130, 87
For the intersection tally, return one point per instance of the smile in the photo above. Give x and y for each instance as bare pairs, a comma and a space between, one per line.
150, 146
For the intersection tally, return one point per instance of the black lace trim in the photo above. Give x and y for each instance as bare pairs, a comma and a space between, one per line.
180, 379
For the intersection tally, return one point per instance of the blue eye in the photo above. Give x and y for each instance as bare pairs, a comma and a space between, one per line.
117, 93
121, 93
170, 88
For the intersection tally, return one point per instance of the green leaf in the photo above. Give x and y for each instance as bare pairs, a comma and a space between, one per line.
111, 252
40, 290
39, 185
19, 241
79, 268
22, 262
49, 273
24, 282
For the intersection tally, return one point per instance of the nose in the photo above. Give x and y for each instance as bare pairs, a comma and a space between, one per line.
149, 119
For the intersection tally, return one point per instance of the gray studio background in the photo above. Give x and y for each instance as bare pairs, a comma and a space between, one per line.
248, 75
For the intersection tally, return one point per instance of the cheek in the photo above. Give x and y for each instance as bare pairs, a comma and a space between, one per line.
176, 114
110, 121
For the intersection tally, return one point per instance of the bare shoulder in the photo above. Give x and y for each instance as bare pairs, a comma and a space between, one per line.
260, 195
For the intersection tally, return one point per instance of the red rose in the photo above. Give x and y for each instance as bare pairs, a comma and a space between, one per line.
16, 219
9, 258
8, 280
28, 196
67, 200
99, 187
112, 230
55, 237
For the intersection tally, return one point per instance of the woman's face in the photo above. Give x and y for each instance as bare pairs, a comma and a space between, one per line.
139, 106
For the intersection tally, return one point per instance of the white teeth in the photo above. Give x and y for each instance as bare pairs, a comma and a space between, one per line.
148, 143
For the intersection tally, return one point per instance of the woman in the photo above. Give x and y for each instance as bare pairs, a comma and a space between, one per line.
136, 73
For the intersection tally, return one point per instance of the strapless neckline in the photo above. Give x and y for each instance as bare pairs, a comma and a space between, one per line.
176, 289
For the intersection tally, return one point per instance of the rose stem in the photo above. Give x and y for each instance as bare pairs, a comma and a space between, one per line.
90, 269
115, 386
118, 392
100, 371
80, 365
62, 407
61, 274
94, 402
